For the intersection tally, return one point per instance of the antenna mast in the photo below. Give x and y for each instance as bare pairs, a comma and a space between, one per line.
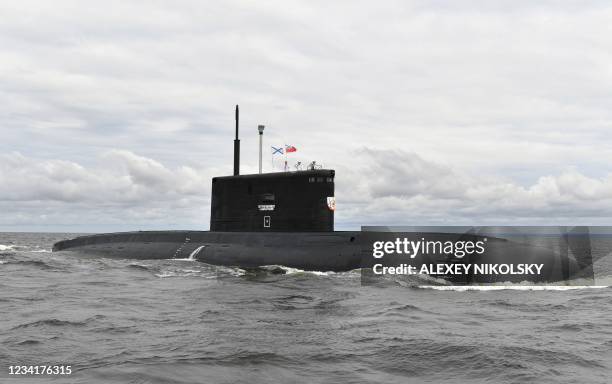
236, 147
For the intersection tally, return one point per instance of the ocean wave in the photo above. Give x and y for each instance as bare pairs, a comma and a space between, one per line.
165, 269
293, 302
184, 273
463, 288
539, 307
493, 363
241, 358
292, 271
229, 271
26, 248
33, 263
398, 307
295, 271
142, 267
168, 268
52, 323
29, 342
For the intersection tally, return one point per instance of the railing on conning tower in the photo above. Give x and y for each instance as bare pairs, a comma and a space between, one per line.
312, 166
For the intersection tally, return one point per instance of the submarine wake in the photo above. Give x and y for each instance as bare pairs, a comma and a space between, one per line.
516, 287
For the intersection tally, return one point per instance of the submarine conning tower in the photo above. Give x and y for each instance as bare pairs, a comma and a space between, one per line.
275, 202
299, 201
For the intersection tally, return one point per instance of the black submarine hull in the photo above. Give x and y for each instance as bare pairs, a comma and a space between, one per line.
314, 251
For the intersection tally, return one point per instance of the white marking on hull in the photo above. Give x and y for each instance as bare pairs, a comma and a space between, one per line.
195, 252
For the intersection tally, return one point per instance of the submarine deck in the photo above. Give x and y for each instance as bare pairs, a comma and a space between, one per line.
325, 251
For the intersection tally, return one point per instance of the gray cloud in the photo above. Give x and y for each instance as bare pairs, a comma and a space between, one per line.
123, 179
384, 187
397, 187
122, 190
504, 102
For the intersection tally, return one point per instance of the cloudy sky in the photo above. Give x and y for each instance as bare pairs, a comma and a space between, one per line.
115, 115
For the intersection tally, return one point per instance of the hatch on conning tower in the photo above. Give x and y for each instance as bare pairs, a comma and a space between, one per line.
301, 201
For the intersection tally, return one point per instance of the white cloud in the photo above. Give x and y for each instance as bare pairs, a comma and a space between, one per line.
123, 190
396, 187
124, 177
384, 187
505, 93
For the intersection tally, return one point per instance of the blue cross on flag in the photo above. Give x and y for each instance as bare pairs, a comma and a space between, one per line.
276, 151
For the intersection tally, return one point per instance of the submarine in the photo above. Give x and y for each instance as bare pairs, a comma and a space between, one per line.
278, 218
287, 219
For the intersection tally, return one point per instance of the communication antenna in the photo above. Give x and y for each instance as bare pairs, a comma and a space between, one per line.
298, 166
237, 147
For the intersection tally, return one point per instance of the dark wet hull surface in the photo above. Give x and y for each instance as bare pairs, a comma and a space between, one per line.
321, 251
165, 321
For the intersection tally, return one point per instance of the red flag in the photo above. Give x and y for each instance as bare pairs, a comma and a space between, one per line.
290, 148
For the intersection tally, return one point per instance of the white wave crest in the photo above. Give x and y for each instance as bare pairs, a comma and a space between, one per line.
184, 273
6, 247
291, 271
165, 274
232, 271
463, 288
